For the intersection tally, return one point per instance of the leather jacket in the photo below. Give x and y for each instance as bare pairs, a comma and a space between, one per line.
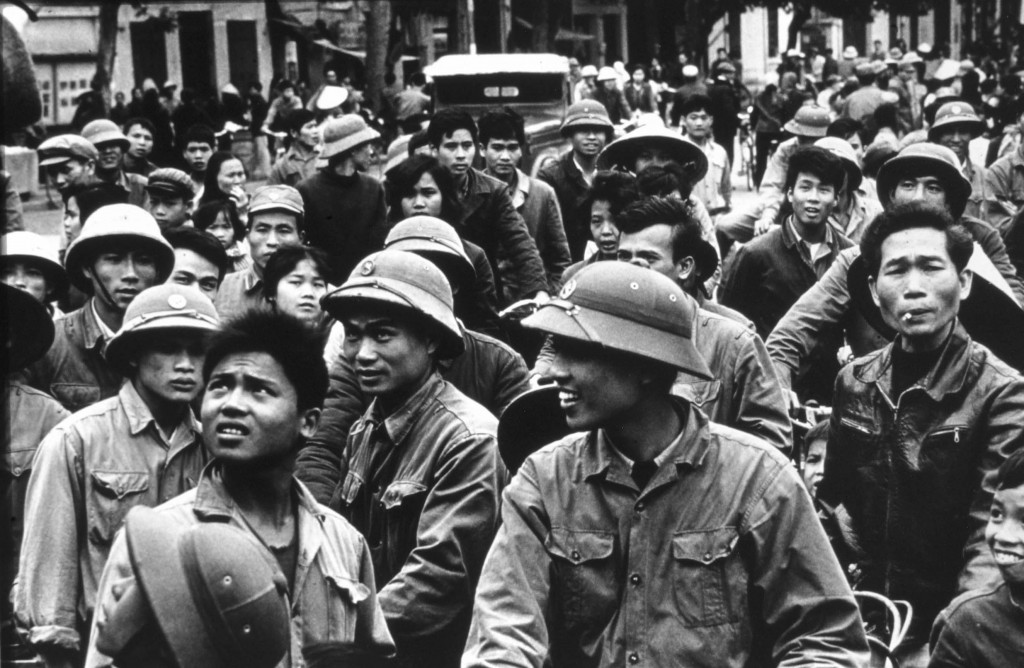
915, 471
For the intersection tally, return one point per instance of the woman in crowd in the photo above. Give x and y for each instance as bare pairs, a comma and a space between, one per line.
225, 179
220, 218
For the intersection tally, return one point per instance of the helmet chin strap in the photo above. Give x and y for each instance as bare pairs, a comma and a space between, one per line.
97, 283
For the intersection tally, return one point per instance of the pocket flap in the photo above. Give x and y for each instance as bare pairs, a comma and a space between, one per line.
579, 546
398, 491
705, 547
118, 484
354, 591
698, 393
18, 462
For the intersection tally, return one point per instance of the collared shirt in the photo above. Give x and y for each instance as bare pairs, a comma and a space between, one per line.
74, 370
587, 176
333, 598
104, 329
134, 185
239, 292
423, 486
976, 207
817, 256
88, 473
1004, 190
862, 209
587, 570
715, 189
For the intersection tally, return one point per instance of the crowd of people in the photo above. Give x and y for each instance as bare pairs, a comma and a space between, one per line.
404, 403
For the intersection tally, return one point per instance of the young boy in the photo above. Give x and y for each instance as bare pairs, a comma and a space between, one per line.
715, 189
984, 627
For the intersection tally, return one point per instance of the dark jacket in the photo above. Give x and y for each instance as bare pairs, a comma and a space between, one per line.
488, 372
477, 307
345, 217
490, 221
74, 370
572, 192
424, 485
915, 471
614, 100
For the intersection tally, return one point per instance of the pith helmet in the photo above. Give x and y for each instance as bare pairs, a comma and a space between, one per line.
430, 236
607, 74
845, 152
29, 328
30, 247
810, 120
586, 114
626, 308
406, 280
103, 131
216, 596
112, 224
921, 159
957, 113
623, 151
162, 307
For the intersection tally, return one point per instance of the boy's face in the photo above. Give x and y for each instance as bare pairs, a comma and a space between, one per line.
697, 124
169, 210
1005, 530
814, 466
197, 154
169, 370
141, 142
456, 152
502, 156
812, 200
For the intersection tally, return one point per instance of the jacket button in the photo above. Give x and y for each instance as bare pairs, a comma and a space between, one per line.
17, 470
634, 657
575, 555
640, 506
635, 579
707, 557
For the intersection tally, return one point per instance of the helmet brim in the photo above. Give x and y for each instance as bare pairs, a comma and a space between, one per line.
30, 330
957, 186
616, 333
56, 278
623, 153
122, 346
82, 250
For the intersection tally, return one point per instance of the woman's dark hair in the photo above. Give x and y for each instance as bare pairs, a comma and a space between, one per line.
284, 261
959, 243
819, 162
91, 196
211, 191
886, 116
207, 214
619, 189
296, 347
1011, 472
403, 177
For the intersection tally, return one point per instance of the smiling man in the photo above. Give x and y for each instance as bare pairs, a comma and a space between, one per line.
919, 427
141, 447
654, 537
424, 477
119, 253
112, 144
955, 126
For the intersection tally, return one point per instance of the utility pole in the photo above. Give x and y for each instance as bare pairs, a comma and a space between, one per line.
464, 26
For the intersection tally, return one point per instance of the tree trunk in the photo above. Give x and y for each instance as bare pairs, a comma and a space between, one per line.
378, 23
106, 50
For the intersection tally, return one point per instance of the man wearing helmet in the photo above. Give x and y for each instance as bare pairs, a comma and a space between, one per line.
654, 537
140, 447
423, 473
119, 253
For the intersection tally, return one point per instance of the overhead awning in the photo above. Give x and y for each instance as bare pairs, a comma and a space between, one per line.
564, 35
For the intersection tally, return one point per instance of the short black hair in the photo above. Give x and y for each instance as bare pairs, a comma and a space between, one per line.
502, 123
418, 79
819, 162
959, 243
285, 83
818, 432
697, 102
886, 116
203, 244
865, 78
875, 156
677, 213
206, 215
663, 181
283, 262
619, 189
297, 348
140, 120
1011, 472
199, 134
297, 118
400, 180
844, 128
416, 141
445, 122
92, 196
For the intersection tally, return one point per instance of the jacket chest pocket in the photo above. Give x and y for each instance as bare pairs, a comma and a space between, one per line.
855, 441
583, 580
75, 396
114, 494
944, 456
709, 583
401, 505
701, 393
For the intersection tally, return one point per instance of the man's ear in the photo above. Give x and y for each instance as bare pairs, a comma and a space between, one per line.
966, 279
874, 292
310, 422
686, 267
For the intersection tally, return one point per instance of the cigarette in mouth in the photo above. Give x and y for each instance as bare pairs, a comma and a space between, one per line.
908, 316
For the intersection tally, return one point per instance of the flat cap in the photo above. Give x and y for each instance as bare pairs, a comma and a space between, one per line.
60, 149
171, 181
277, 198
